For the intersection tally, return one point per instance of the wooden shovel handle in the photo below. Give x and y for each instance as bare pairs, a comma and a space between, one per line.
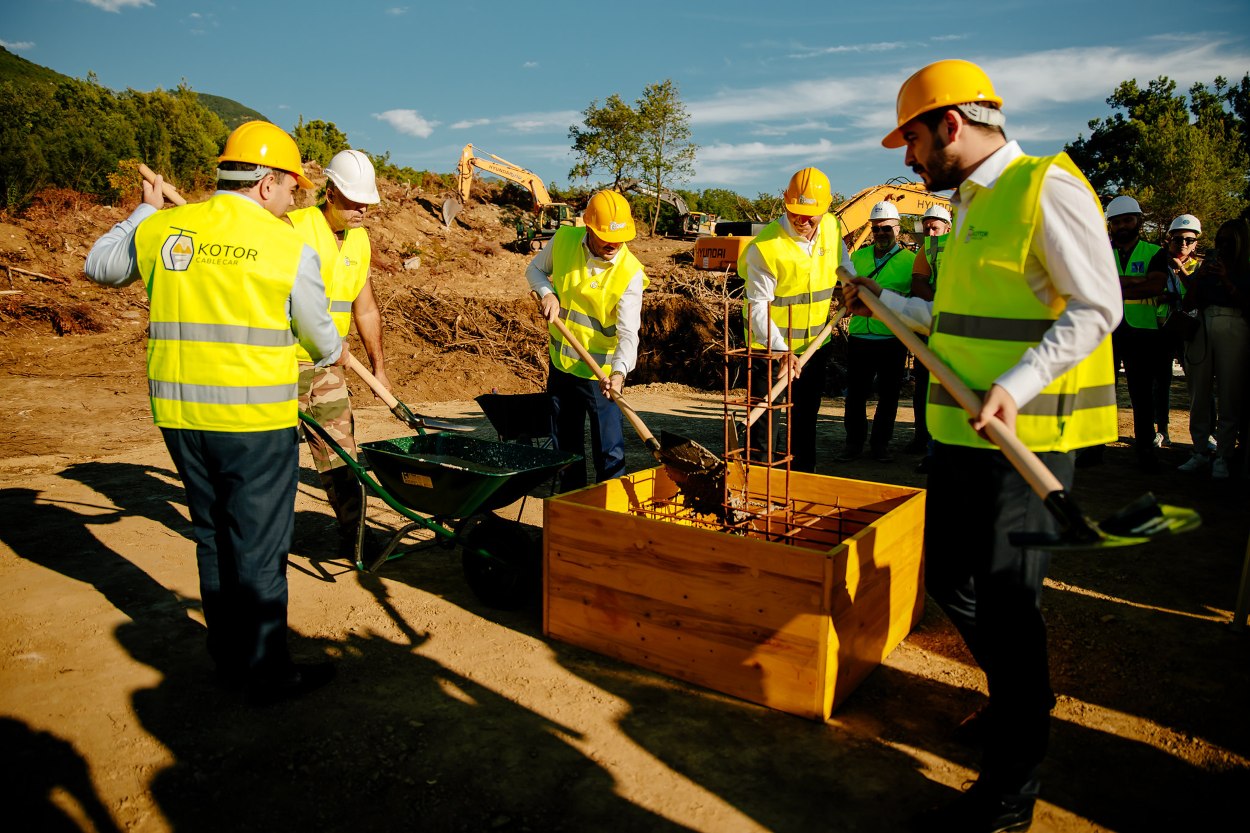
1032, 469
824, 333
354, 365
170, 192
648, 438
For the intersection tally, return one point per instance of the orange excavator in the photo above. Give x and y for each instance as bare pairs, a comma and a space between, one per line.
547, 215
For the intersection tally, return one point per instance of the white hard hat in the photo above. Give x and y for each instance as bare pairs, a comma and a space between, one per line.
884, 210
352, 174
1186, 222
936, 212
1122, 205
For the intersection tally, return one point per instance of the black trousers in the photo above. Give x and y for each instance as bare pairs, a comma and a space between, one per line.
882, 359
1147, 364
241, 493
807, 391
991, 591
920, 398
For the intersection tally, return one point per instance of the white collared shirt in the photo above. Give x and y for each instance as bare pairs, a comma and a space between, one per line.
1069, 258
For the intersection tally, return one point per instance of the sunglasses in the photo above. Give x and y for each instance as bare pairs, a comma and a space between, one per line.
1184, 241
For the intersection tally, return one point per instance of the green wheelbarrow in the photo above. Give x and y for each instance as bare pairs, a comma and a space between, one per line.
450, 485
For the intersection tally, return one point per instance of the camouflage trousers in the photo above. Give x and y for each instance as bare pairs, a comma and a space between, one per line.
323, 396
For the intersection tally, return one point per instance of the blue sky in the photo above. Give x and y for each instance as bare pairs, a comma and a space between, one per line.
769, 88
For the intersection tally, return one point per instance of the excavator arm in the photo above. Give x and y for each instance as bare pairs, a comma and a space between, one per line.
500, 167
908, 197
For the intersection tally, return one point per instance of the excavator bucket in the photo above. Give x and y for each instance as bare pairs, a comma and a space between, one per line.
451, 207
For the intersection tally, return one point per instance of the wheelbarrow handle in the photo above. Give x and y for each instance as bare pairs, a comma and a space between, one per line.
644, 433
824, 333
170, 192
1040, 479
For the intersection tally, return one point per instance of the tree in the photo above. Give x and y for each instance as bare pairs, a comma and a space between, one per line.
609, 140
1176, 156
666, 154
319, 140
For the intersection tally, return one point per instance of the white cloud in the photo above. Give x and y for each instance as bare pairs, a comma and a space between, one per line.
408, 122
946, 38
17, 46
530, 65
397, 10
805, 52
558, 120
118, 5
466, 123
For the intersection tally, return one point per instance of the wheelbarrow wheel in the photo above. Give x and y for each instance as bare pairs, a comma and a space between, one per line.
508, 576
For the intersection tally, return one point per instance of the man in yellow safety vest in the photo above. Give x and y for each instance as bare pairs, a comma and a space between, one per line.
335, 228
1027, 300
588, 277
232, 290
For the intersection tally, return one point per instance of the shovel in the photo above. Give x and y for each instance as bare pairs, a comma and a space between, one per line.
417, 422
170, 192
1141, 521
698, 472
759, 410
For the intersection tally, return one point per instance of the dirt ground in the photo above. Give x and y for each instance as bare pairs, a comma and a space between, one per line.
449, 715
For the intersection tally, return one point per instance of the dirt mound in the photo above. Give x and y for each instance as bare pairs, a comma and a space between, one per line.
454, 299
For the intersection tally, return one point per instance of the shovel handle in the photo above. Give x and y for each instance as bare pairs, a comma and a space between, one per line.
1040, 479
169, 191
824, 333
354, 365
648, 438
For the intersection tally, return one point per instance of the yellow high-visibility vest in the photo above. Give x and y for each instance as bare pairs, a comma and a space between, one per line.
221, 354
895, 275
344, 269
805, 283
933, 248
587, 304
985, 317
1139, 312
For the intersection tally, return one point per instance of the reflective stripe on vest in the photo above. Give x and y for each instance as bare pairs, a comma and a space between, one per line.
344, 269
805, 283
221, 354
986, 317
1139, 312
895, 275
587, 304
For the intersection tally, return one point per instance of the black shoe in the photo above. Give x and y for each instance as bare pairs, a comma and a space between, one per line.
882, 455
849, 453
290, 684
918, 445
979, 810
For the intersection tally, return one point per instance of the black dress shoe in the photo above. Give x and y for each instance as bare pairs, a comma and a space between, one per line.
292, 683
979, 810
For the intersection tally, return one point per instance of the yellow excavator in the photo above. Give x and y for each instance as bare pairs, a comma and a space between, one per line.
693, 223
547, 215
720, 253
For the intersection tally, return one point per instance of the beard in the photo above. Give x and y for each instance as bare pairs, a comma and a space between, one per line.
940, 171
1124, 237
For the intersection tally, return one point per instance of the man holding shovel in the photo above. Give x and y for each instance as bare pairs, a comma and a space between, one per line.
587, 277
790, 271
1028, 298
335, 229
232, 290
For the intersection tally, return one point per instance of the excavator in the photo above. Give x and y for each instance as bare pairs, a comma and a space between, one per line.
721, 253
547, 216
693, 223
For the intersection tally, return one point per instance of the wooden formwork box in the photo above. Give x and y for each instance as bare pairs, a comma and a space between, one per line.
783, 625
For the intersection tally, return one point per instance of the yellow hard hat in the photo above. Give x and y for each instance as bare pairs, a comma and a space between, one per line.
263, 143
607, 215
940, 84
808, 193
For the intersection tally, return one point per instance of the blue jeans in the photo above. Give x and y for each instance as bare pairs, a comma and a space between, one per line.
572, 400
241, 493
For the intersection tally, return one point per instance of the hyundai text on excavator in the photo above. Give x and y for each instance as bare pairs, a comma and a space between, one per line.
720, 253
547, 216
